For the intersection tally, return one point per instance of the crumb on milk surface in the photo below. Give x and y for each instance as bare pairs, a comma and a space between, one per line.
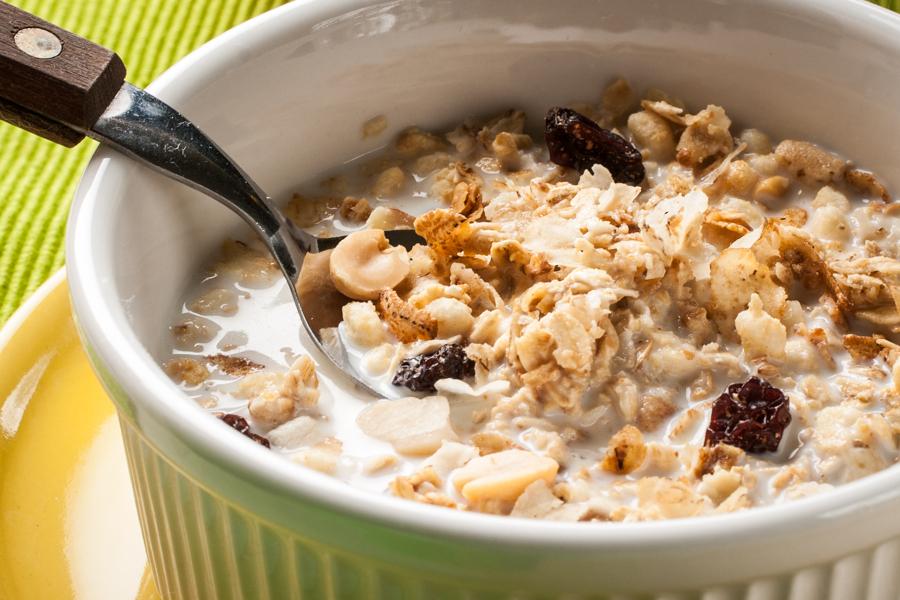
583, 329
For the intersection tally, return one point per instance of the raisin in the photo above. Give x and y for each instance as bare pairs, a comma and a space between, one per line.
239, 424
576, 141
419, 373
751, 416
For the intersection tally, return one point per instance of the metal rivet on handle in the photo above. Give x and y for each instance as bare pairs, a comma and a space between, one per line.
38, 42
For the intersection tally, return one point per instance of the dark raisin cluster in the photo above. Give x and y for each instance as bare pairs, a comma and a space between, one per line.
751, 416
419, 373
576, 141
239, 424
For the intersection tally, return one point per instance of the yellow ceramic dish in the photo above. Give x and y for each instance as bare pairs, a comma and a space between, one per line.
68, 524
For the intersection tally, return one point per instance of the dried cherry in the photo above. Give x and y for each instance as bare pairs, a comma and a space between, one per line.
419, 373
578, 142
239, 424
751, 416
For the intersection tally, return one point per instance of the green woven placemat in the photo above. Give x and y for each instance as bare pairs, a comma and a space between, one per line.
37, 178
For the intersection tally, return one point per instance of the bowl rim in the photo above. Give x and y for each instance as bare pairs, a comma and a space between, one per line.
144, 382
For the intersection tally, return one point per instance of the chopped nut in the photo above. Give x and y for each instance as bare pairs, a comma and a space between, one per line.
771, 187
868, 183
362, 324
653, 134
374, 126
389, 183
355, 210
761, 334
489, 442
364, 263
389, 219
250, 266
216, 301
302, 431
626, 451
191, 332
617, 98
653, 411
721, 455
757, 141
809, 162
306, 212
186, 370
415, 142
379, 464
322, 457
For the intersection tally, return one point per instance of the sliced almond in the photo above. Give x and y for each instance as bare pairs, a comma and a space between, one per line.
503, 475
415, 426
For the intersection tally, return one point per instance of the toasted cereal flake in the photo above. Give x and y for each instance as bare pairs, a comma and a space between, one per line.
405, 321
706, 137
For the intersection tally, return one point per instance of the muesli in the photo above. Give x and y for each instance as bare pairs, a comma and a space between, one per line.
645, 313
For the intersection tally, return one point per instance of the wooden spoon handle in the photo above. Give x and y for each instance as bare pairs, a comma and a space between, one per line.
52, 82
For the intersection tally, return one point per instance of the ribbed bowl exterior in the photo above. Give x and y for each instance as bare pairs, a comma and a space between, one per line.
203, 546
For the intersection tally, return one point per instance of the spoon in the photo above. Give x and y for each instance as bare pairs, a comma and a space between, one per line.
63, 88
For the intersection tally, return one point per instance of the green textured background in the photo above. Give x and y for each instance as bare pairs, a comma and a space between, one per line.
37, 179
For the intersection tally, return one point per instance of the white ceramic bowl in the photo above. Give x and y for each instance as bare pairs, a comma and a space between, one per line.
286, 94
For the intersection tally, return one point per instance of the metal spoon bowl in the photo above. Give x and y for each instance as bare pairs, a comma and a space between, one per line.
143, 127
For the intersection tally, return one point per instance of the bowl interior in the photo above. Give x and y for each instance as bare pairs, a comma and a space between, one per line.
287, 96
290, 107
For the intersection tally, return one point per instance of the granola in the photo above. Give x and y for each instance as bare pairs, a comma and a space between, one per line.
711, 328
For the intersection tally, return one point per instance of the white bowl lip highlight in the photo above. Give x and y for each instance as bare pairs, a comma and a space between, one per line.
146, 384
